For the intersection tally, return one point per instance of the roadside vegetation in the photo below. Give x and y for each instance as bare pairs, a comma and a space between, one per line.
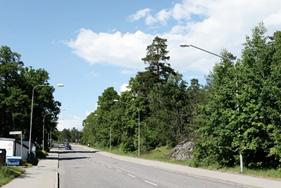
162, 154
16, 84
41, 154
9, 173
236, 112
70, 135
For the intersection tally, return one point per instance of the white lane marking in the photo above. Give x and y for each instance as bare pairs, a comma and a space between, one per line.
131, 175
151, 183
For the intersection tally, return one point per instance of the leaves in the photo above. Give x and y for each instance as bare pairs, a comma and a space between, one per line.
16, 84
250, 109
164, 100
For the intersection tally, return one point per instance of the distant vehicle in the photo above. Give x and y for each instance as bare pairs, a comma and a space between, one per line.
67, 146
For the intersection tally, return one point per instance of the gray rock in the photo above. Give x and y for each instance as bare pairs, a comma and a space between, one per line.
183, 151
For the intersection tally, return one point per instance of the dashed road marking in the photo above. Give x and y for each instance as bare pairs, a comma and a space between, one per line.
131, 175
151, 183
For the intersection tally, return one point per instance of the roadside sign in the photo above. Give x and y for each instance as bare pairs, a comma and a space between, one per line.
15, 132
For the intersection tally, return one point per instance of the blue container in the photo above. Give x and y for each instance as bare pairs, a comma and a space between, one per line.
13, 161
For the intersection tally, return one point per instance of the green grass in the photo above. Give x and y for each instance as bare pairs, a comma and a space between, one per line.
162, 154
26, 164
9, 173
270, 173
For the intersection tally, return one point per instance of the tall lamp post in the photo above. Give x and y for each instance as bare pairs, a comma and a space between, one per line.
31, 112
224, 58
43, 132
138, 125
198, 48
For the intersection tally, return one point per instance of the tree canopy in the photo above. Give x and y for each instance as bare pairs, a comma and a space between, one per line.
242, 114
166, 104
16, 84
236, 112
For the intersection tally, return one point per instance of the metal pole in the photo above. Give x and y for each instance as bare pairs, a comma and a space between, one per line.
110, 139
50, 138
209, 52
43, 141
21, 145
30, 127
238, 110
237, 105
241, 163
31, 113
138, 132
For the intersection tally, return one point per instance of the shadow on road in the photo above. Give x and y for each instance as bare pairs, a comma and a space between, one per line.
76, 151
52, 158
71, 158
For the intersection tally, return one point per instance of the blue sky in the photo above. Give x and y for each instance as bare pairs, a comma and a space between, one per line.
91, 45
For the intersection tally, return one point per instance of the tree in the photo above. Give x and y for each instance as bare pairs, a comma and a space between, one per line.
159, 94
245, 119
16, 83
157, 58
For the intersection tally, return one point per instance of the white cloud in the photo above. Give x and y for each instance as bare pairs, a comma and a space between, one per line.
139, 14
145, 14
124, 87
180, 11
222, 25
150, 20
70, 122
122, 49
162, 16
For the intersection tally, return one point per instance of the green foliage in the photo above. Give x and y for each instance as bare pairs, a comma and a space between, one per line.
16, 83
9, 173
165, 102
242, 114
41, 154
237, 112
69, 135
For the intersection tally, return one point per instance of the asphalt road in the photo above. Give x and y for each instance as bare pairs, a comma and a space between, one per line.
79, 168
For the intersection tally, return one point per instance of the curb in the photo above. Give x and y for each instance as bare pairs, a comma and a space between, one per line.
57, 180
57, 174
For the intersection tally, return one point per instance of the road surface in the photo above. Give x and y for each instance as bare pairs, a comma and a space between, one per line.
80, 168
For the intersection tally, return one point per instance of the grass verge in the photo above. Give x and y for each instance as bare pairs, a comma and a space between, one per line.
9, 173
162, 154
269, 173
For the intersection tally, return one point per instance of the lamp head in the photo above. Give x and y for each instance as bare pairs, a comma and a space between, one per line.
60, 85
184, 45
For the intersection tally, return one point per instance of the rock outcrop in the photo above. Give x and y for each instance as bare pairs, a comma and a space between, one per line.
183, 151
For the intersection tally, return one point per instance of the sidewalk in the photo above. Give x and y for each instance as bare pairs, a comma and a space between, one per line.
198, 172
44, 175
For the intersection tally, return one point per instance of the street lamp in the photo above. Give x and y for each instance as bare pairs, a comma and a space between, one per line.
224, 58
43, 138
31, 112
138, 125
198, 48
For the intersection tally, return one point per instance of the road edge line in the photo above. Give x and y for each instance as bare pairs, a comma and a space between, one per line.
57, 173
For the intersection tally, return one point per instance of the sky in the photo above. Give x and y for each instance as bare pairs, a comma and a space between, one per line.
89, 45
